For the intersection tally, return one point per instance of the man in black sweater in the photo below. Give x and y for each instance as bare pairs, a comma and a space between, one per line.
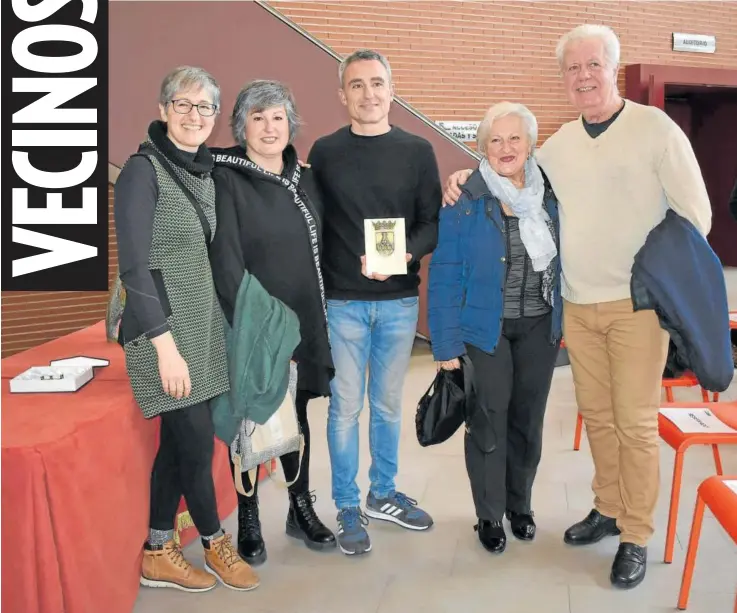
370, 170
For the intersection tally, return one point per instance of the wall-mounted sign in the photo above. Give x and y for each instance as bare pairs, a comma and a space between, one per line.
694, 43
464, 131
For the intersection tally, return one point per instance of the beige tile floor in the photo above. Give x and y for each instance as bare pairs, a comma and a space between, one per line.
445, 569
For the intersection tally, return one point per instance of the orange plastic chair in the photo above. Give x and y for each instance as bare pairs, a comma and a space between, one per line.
680, 442
722, 502
688, 379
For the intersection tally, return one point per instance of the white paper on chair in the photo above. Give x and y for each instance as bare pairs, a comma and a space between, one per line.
733, 317
732, 485
386, 246
697, 420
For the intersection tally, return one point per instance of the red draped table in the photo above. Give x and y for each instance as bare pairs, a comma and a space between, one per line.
75, 486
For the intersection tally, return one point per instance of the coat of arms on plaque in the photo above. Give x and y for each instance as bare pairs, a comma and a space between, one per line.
384, 236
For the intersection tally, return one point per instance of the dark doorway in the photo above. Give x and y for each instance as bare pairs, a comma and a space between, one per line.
708, 116
703, 101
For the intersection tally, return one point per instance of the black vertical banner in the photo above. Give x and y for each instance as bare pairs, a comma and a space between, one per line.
55, 145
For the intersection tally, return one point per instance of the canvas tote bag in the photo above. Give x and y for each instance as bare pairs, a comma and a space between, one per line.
259, 444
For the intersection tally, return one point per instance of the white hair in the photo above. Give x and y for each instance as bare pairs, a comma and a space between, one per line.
604, 33
502, 109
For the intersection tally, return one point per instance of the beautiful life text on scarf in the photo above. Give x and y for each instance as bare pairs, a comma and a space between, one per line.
527, 205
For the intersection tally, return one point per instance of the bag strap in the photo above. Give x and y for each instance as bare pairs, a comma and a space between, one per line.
468, 385
253, 473
284, 484
190, 196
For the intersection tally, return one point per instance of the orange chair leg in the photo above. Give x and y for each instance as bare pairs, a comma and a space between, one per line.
669, 394
693, 545
675, 494
577, 434
705, 396
717, 459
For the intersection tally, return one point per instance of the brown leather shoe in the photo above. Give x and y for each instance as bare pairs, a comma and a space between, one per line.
165, 566
223, 561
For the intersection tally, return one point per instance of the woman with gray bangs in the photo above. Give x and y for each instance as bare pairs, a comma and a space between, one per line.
269, 223
171, 327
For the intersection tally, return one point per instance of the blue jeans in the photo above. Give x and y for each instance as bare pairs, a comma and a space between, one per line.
379, 335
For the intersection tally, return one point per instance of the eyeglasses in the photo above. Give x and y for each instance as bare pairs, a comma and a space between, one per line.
183, 107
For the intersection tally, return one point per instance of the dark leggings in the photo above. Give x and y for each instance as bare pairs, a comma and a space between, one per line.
290, 461
183, 466
512, 386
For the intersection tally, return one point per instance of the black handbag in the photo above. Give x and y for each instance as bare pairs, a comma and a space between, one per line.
443, 408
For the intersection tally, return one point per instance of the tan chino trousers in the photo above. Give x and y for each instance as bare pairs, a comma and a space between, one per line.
617, 358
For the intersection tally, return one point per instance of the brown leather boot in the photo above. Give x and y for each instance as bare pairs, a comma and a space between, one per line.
223, 561
165, 566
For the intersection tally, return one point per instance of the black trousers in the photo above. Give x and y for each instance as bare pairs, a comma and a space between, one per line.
512, 386
183, 466
290, 461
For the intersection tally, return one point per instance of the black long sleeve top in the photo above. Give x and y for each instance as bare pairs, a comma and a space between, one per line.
366, 177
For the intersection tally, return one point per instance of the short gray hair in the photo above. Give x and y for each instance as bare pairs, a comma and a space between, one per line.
363, 55
502, 109
257, 96
186, 78
604, 33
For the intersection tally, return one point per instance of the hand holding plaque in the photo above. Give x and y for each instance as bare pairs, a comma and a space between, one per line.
386, 246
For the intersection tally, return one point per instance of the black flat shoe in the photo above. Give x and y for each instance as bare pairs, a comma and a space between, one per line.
523, 526
304, 524
591, 530
251, 545
491, 535
630, 564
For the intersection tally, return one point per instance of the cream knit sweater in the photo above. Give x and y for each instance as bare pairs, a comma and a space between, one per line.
613, 190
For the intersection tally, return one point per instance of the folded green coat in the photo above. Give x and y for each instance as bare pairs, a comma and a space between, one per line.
260, 345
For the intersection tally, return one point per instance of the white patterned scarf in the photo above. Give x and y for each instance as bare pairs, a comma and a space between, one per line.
527, 205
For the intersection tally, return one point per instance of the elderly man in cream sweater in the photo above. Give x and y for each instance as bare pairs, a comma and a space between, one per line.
616, 170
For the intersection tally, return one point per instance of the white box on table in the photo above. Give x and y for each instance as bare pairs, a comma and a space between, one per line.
47, 379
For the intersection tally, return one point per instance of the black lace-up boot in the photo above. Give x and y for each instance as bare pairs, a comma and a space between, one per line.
250, 542
304, 524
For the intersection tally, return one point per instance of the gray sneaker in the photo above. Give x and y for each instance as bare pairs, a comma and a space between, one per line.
399, 509
352, 536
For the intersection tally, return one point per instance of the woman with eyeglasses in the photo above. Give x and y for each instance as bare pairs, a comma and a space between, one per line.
172, 327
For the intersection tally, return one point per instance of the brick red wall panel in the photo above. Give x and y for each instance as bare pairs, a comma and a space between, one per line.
452, 60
